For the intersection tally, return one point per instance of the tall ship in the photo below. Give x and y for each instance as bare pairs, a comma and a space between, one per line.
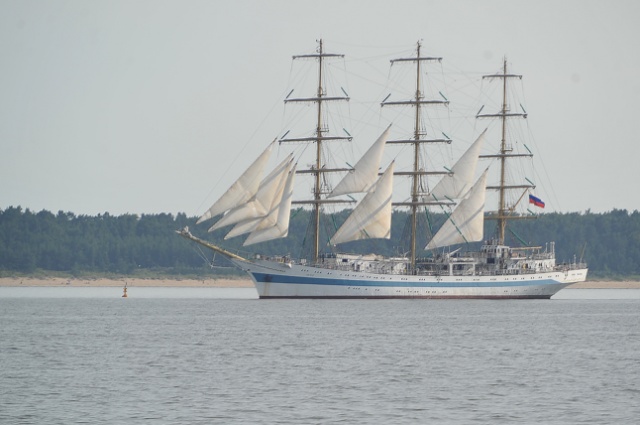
454, 261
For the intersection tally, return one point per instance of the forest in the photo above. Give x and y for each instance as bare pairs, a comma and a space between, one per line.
127, 244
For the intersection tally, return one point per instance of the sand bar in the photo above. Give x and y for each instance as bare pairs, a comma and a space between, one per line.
130, 282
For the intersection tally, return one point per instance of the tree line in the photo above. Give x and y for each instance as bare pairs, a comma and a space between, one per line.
64, 242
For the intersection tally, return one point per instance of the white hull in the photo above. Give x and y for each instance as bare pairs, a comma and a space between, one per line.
281, 280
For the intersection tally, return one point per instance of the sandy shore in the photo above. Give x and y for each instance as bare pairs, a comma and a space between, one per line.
624, 284
221, 283
130, 282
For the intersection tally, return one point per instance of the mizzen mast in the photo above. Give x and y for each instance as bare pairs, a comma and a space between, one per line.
418, 139
504, 212
321, 135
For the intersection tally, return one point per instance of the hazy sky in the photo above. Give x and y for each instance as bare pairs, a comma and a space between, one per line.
143, 106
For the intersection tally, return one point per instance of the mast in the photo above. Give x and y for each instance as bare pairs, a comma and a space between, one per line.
320, 136
504, 212
417, 141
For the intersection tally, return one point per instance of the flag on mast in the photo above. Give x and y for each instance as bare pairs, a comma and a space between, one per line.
536, 201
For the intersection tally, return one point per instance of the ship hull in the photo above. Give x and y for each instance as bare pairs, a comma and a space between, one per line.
281, 280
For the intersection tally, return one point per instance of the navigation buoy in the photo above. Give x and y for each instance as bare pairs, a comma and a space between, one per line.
124, 295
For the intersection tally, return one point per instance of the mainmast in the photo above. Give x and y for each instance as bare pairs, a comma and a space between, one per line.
504, 212
418, 170
321, 135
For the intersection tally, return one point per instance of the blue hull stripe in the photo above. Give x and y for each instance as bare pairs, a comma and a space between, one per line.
277, 278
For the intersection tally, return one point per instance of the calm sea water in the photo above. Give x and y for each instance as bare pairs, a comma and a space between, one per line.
187, 356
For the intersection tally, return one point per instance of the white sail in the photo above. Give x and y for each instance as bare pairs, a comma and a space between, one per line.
253, 222
242, 189
270, 189
371, 218
365, 173
276, 224
457, 185
466, 222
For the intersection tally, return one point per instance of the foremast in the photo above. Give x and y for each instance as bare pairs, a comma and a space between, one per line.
505, 212
417, 141
321, 135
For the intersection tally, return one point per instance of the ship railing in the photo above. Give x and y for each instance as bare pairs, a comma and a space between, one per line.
509, 272
390, 270
570, 266
275, 258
